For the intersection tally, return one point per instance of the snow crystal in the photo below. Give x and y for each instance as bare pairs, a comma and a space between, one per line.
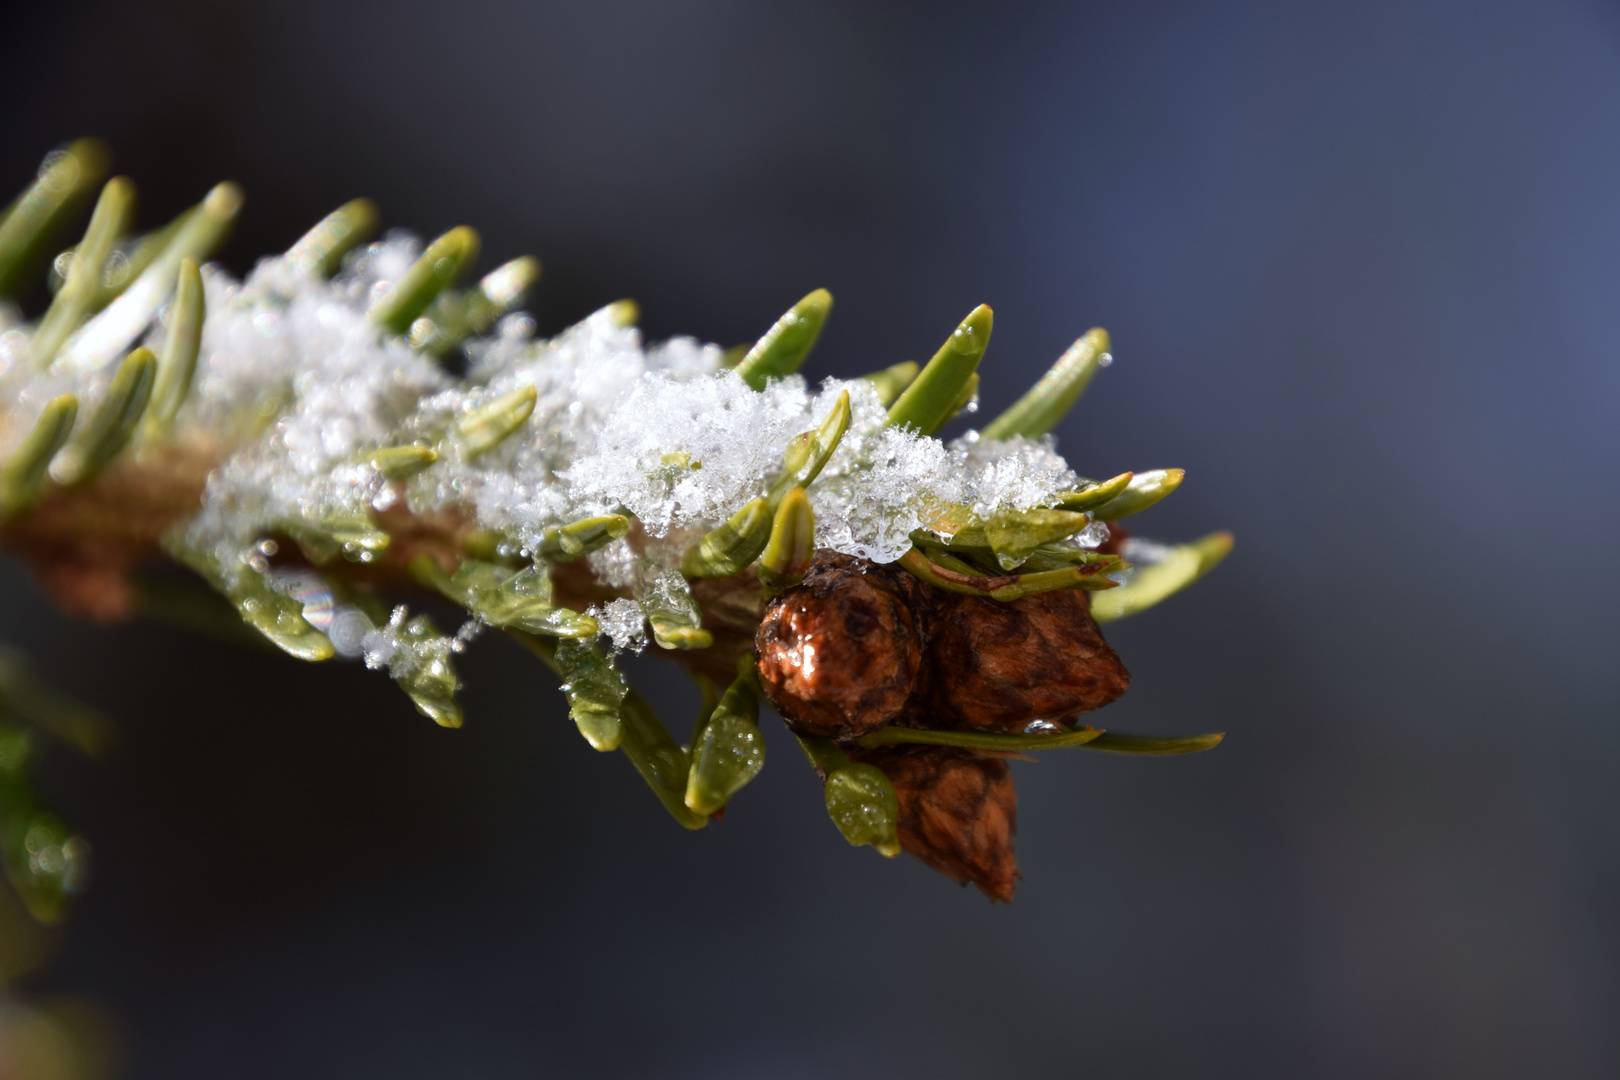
466, 635
381, 647
624, 623
300, 355
579, 377
1017, 474
408, 647
893, 482
690, 453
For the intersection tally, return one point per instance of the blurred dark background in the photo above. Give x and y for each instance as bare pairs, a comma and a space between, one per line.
1361, 263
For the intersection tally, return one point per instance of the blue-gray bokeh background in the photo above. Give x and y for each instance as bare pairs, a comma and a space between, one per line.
1362, 267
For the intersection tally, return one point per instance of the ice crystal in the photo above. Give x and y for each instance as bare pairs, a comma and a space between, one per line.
685, 453
880, 490
1012, 474
418, 658
615, 565
1094, 535
381, 648
299, 358
408, 647
624, 623
580, 377
668, 591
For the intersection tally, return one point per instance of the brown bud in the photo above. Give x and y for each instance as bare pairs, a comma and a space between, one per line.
958, 812
997, 666
839, 654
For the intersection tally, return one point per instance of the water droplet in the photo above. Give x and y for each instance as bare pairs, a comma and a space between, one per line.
348, 631
1093, 535
116, 272
423, 331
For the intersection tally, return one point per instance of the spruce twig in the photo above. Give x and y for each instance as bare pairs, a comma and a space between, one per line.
505, 493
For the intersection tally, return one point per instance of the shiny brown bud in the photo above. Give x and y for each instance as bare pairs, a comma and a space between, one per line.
839, 654
1000, 666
